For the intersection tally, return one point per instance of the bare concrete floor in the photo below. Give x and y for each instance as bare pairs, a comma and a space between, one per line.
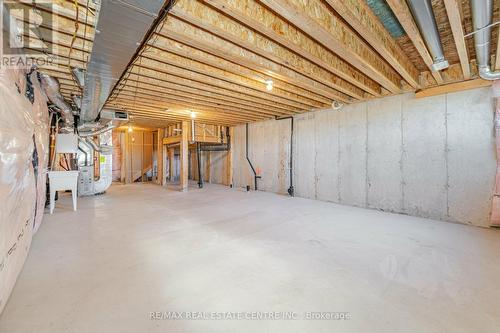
141, 249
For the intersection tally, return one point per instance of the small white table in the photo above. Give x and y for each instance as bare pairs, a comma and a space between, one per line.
63, 181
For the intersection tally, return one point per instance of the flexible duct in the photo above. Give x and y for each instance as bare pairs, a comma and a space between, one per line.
51, 88
426, 22
482, 16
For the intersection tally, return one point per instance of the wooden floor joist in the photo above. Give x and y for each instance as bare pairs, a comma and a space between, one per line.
134, 96
162, 104
159, 59
203, 110
165, 93
171, 46
455, 19
157, 89
364, 21
204, 18
453, 87
160, 80
318, 20
180, 111
268, 69
172, 119
216, 56
264, 21
164, 70
153, 111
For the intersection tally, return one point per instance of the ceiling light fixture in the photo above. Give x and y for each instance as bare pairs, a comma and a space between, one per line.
336, 105
269, 85
130, 128
193, 115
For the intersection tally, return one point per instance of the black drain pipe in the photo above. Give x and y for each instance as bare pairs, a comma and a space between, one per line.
291, 190
198, 156
218, 146
211, 147
255, 176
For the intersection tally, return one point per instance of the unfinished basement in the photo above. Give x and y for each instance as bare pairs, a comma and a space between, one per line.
249, 166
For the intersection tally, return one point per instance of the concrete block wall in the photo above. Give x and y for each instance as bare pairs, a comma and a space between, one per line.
432, 157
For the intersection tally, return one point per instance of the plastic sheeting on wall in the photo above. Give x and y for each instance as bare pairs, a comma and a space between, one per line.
23, 126
41, 136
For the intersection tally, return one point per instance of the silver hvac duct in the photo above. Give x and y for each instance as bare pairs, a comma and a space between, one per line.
51, 88
77, 100
89, 127
109, 127
426, 22
120, 30
103, 149
90, 143
482, 16
79, 76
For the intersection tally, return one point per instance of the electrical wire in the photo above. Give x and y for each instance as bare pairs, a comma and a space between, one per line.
73, 38
85, 30
35, 10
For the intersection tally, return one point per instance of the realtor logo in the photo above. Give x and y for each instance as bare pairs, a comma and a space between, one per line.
27, 33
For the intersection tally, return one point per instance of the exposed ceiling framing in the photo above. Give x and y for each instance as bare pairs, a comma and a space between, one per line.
214, 57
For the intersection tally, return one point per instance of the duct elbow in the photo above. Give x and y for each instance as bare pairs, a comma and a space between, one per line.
51, 88
439, 65
482, 16
486, 73
104, 129
102, 149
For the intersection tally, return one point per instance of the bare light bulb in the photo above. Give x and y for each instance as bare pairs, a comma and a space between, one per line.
269, 85
130, 128
193, 115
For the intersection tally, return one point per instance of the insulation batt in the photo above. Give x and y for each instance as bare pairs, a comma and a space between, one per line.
22, 127
42, 141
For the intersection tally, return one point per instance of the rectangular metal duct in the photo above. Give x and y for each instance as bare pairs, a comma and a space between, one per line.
121, 28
